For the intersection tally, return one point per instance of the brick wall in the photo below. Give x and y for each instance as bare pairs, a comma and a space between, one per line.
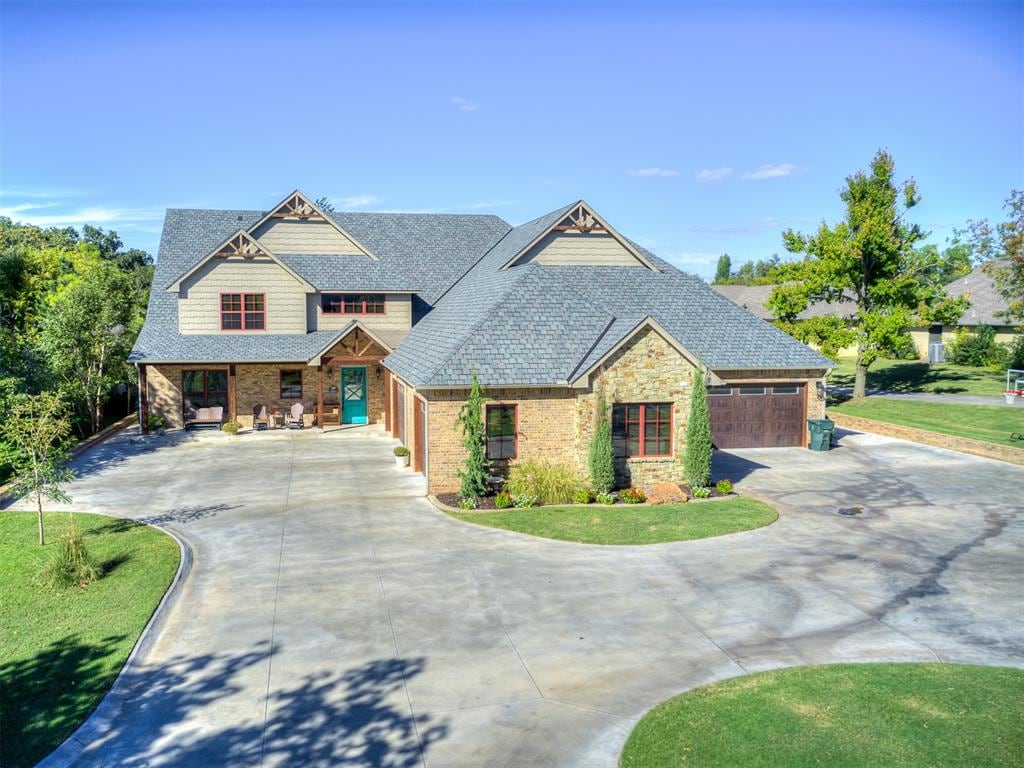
260, 384
164, 392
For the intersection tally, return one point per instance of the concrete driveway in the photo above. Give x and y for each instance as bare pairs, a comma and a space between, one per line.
332, 616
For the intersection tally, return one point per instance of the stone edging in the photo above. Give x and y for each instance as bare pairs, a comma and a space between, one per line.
936, 439
106, 712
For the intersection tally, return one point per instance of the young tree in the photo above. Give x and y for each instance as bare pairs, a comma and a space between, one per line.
697, 460
34, 434
724, 269
864, 258
600, 459
87, 333
477, 469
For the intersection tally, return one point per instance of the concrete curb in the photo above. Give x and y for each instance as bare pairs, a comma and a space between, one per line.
107, 711
934, 439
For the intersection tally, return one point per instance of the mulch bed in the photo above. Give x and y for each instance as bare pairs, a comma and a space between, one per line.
487, 502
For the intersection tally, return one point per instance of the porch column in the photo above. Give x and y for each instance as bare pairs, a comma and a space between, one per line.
143, 400
320, 396
232, 394
387, 400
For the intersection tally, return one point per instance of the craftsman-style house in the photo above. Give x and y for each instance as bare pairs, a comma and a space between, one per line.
373, 318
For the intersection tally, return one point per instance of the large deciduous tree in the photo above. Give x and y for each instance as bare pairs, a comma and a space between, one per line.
34, 436
723, 270
866, 258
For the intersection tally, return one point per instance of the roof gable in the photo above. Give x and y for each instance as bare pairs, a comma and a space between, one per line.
580, 220
296, 207
240, 245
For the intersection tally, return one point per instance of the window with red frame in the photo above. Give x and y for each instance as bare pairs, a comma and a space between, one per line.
352, 303
501, 432
243, 312
642, 429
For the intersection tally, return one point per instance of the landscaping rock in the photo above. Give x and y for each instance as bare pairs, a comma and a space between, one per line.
664, 493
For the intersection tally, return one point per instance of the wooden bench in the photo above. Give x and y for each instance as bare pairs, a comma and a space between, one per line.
204, 417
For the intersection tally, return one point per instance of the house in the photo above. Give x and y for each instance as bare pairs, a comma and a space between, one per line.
383, 318
988, 307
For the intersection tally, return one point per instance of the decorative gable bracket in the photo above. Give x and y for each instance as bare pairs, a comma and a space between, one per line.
580, 220
240, 244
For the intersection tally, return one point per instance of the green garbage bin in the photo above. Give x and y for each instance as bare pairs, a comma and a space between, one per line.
821, 433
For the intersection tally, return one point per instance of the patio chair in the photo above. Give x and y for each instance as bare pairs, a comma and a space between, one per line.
295, 417
204, 417
260, 420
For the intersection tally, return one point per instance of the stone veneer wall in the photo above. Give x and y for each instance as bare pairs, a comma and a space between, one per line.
647, 370
260, 384
164, 391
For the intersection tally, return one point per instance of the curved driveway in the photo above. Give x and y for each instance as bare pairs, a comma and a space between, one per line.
333, 616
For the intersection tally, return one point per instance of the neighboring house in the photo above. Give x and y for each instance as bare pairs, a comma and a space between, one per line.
988, 307
383, 318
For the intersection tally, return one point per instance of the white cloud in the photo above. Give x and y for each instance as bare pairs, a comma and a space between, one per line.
95, 215
356, 201
713, 174
464, 104
660, 173
776, 171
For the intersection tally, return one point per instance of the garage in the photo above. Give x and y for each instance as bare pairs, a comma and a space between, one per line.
762, 415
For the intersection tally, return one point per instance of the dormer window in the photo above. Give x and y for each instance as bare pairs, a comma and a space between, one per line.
243, 312
352, 304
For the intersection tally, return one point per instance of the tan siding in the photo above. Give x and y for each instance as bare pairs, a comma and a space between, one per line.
571, 248
285, 236
397, 317
199, 299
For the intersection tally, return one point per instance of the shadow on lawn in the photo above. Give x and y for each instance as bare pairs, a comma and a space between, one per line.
211, 709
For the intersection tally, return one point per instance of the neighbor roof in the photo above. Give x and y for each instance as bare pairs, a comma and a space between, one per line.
754, 298
988, 305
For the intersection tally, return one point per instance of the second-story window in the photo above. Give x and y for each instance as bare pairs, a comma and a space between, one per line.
352, 304
243, 312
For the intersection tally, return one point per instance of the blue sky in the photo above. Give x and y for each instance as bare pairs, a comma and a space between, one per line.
693, 128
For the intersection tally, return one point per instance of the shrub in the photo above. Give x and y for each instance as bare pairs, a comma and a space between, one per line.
524, 500
401, 450
1015, 352
583, 496
697, 461
71, 564
700, 492
606, 498
230, 427
155, 423
600, 460
633, 496
978, 349
724, 486
552, 483
468, 503
503, 500
477, 469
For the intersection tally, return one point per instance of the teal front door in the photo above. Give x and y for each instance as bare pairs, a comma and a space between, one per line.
353, 395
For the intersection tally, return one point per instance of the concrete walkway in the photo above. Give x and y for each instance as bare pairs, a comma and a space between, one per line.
334, 617
934, 397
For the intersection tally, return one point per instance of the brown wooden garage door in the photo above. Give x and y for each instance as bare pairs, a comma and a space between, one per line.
757, 415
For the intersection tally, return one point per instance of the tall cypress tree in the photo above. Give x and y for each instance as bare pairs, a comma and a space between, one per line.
602, 464
477, 469
697, 462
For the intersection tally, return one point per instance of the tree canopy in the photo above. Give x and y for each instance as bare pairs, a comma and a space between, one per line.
1001, 248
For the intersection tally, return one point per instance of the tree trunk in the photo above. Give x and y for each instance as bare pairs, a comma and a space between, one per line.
39, 505
860, 378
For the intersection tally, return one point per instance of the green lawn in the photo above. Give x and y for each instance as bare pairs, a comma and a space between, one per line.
631, 524
991, 423
863, 715
913, 376
61, 650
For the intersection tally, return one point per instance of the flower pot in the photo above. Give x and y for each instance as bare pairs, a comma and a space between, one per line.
401, 461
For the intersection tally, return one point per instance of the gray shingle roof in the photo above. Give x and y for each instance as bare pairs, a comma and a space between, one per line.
988, 305
526, 325
421, 253
754, 298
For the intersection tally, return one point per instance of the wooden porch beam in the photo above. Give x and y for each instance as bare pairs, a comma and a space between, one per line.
232, 394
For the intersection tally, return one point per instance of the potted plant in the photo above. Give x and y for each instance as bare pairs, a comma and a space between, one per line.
402, 456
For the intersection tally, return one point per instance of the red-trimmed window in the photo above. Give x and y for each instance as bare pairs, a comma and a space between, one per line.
291, 385
203, 389
243, 312
642, 429
501, 432
352, 304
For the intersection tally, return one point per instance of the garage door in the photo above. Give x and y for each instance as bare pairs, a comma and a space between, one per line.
757, 415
